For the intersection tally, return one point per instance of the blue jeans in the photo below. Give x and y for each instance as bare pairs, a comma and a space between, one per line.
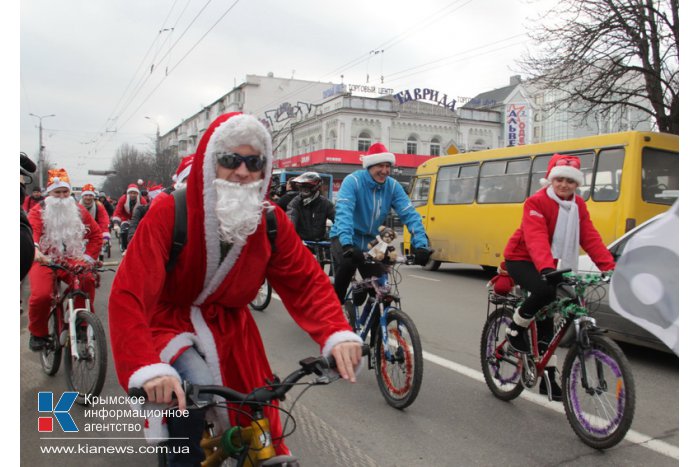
191, 367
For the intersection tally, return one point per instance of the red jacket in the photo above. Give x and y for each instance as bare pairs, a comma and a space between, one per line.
122, 212
93, 234
532, 241
30, 202
101, 216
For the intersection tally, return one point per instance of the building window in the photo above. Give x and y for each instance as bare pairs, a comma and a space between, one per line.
435, 147
364, 141
412, 145
331, 140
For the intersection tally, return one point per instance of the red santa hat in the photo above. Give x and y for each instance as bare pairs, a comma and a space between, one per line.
377, 154
561, 165
58, 178
154, 190
183, 171
133, 187
88, 189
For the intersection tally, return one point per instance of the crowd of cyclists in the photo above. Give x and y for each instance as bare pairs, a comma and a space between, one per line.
186, 322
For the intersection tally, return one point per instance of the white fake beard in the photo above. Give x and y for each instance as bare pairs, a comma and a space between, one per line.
238, 209
62, 227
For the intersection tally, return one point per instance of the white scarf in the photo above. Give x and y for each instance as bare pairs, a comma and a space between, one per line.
565, 242
92, 209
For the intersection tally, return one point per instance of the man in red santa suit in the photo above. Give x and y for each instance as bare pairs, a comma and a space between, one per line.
96, 209
125, 209
193, 322
61, 226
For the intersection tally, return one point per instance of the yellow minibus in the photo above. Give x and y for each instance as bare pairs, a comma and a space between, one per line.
471, 203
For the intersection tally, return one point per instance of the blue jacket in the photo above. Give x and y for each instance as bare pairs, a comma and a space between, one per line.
363, 205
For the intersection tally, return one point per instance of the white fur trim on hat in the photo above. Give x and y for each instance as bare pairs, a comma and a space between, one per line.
133, 189
88, 192
180, 178
57, 183
373, 159
566, 171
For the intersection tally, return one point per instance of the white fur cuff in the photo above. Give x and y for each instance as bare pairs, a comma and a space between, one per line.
337, 338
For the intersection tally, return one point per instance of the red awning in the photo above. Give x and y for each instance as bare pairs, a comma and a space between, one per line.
342, 156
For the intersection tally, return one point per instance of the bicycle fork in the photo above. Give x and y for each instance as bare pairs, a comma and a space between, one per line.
71, 334
582, 344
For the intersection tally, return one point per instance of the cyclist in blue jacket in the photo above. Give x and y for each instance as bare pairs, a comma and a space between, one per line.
364, 201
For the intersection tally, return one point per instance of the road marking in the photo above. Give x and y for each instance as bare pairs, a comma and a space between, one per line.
632, 436
424, 278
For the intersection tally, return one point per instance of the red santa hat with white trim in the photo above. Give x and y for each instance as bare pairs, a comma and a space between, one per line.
133, 187
561, 165
377, 154
58, 178
183, 171
88, 189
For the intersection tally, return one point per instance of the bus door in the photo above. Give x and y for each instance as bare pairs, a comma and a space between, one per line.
419, 193
449, 214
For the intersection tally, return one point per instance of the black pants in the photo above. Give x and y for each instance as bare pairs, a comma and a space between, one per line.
528, 277
345, 269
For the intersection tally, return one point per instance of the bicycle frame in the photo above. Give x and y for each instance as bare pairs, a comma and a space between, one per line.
68, 314
376, 307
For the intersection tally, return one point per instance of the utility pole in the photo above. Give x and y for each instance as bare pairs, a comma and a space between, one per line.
41, 148
157, 133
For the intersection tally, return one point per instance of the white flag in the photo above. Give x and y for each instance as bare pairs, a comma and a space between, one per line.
644, 287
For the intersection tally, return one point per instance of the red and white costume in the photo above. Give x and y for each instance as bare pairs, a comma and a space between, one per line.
154, 316
124, 209
41, 278
96, 210
540, 214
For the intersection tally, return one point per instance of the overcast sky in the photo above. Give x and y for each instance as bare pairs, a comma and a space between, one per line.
87, 62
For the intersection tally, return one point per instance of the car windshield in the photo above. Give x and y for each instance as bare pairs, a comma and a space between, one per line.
619, 247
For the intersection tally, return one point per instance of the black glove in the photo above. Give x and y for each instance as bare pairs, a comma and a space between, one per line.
551, 280
354, 253
423, 256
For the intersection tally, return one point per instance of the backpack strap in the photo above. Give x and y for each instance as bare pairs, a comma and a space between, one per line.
271, 227
180, 227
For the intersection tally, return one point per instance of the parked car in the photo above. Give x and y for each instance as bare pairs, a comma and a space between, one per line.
620, 328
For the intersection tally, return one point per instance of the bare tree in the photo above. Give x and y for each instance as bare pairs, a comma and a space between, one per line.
130, 165
600, 56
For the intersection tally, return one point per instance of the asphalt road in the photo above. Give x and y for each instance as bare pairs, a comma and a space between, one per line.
455, 420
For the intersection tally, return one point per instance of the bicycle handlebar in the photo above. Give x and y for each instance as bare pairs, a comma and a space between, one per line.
275, 391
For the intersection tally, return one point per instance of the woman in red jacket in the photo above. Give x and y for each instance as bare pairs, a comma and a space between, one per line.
555, 222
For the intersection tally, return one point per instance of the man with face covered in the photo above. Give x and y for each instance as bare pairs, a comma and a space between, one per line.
309, 210
63, 230
193, 322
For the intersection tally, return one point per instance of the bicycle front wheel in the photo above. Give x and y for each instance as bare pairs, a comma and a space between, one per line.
601, 413
51, 355
501, 370
401, 373
262, 299
85, 373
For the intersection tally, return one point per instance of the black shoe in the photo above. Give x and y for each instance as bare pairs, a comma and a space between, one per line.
517, 338
550, 373
37, 344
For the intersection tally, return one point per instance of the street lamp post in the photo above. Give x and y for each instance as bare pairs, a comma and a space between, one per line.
157, 132
41, 147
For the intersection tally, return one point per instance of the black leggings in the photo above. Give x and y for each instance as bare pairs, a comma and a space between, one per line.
526, 276
345, 269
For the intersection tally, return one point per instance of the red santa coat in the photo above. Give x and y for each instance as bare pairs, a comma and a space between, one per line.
123, 212
532, 241
203, 302
100, 216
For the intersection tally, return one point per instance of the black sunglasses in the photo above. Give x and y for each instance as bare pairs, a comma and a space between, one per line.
234, 160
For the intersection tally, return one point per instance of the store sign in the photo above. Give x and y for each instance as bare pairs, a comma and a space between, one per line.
516, 124
425, 94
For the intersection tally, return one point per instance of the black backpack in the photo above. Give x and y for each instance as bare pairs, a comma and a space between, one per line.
180, 227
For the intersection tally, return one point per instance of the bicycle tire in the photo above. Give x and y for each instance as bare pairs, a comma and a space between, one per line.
505, 385
50, 357
86, 374
601, 420
399, 381
262, 299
